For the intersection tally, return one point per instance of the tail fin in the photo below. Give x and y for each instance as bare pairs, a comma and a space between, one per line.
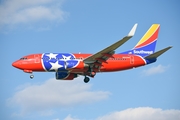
147, 44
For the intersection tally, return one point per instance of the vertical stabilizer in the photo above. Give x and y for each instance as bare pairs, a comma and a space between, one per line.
147, 43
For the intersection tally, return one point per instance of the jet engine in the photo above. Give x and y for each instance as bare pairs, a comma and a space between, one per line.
65, 76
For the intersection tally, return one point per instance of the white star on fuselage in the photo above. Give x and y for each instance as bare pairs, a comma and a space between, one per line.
55, 66
51, 55
66, 58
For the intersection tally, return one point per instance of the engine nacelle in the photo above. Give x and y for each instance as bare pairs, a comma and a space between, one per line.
65, 76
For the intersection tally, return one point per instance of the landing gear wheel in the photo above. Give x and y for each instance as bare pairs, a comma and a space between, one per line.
86, 79
31, 76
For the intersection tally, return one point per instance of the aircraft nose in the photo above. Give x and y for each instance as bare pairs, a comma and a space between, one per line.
16, 64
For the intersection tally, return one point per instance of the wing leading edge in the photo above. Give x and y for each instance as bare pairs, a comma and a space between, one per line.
104, 54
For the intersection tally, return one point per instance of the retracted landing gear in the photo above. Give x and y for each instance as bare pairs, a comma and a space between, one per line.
31, 76
86, 79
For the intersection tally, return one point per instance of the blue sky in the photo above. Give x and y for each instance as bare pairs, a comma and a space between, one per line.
149, 92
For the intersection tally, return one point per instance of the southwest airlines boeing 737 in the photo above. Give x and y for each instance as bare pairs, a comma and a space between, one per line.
68, 66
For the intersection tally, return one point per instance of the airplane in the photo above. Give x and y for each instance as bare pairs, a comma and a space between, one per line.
68, 66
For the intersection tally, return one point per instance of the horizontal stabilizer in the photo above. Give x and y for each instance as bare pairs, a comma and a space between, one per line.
158, 53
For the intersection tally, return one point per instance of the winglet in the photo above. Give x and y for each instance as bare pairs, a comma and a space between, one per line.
158, 53
132, 32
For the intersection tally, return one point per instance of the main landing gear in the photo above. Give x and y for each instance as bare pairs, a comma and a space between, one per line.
86, 79
90, 73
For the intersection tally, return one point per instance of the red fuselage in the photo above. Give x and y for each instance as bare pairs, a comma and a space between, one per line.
38, 63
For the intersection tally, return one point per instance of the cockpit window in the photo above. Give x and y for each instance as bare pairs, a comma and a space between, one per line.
23, 58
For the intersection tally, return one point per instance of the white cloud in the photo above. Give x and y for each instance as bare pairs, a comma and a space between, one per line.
55, 94
70, 118
155, 70
14, 12
143, 113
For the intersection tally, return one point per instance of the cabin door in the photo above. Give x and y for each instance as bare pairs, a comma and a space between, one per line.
36, 59
131, 59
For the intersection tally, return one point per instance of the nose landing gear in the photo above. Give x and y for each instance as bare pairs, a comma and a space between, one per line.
31, 76
29, 71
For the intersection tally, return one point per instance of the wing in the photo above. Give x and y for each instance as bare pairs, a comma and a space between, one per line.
101, 56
